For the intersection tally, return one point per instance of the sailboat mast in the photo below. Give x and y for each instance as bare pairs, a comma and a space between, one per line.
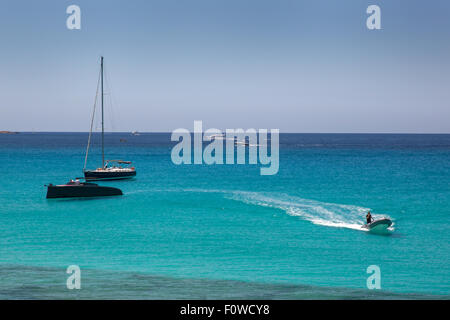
103, 126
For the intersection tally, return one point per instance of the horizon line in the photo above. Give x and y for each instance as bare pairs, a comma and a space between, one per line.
149, 132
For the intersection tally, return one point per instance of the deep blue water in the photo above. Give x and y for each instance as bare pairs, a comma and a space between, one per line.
224, 230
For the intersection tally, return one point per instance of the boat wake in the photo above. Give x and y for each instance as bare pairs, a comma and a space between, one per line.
316, 212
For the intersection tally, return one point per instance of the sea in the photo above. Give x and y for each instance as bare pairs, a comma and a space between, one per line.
226, 231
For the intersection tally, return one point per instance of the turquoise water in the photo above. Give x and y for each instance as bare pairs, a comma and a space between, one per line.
199, 225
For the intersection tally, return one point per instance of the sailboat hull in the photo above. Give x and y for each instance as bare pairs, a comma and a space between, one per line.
108, 175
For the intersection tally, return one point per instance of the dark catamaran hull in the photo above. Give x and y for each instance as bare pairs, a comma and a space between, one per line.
98, 175
82, 191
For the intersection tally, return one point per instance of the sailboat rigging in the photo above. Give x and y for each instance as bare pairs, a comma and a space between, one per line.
110, 169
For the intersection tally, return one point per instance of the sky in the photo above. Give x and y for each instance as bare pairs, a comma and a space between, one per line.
298, 66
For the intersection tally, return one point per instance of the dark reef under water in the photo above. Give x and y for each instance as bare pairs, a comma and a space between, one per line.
26, 282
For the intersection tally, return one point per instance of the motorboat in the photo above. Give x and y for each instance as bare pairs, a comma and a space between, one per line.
380, 225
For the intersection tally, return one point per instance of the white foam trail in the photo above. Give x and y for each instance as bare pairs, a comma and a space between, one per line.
319, 213
316, 212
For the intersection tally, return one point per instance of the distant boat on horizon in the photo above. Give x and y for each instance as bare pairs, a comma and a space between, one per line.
110, 169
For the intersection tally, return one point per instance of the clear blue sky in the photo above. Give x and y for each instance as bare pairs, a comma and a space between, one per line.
300, 66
